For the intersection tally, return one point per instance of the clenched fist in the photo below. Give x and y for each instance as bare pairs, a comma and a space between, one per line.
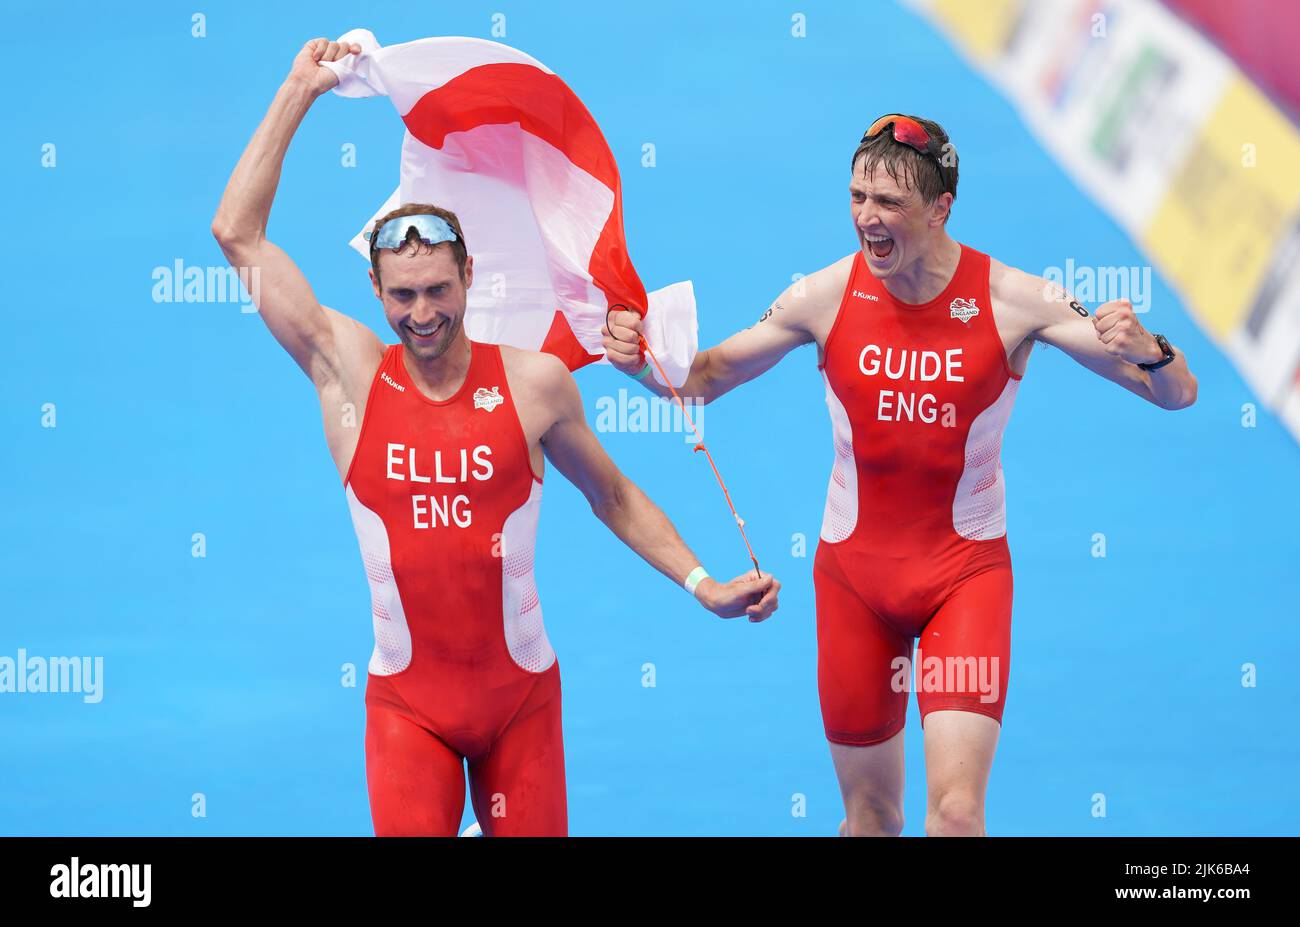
744, 595
622, 332
307, 66
1118, 329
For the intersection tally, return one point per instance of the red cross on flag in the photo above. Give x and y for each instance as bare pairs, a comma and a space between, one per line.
499, 139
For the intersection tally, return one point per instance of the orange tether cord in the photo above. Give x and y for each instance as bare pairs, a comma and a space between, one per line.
740, 522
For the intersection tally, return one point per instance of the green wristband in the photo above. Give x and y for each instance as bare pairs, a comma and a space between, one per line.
694, 578
644, 372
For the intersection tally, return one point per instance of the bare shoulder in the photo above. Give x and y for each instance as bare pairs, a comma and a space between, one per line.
808, 305
835, 276
542, 381
1013, 287
1027, 295
822, 289
1025, 303
814, 300
533, 368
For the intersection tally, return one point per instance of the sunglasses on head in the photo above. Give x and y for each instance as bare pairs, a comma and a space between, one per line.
431, 229
907, 131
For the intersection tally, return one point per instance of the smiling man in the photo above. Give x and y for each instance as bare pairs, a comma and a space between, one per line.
444, 482
922, 342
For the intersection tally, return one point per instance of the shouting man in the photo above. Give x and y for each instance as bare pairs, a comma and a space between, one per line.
922, 342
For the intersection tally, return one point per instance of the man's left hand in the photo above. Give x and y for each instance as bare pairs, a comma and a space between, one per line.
1118, 329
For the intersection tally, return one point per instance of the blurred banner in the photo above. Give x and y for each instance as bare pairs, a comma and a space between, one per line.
1169, 134
1260, 35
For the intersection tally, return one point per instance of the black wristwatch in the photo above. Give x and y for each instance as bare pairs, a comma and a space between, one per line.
1168, 352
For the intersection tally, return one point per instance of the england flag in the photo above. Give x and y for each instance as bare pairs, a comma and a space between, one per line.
498, 138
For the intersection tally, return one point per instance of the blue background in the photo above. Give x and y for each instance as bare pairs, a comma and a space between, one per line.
222, 674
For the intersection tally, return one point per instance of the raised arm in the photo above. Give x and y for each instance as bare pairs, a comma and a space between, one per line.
1110, 342
323, 342
572, 447
793, 319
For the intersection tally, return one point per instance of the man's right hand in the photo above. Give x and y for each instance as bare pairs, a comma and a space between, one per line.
622, 333
308, 70
744, 595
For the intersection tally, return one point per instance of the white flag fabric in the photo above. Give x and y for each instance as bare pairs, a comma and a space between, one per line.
496, 137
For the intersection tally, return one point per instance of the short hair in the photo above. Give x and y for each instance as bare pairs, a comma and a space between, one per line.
908, 166
458, 249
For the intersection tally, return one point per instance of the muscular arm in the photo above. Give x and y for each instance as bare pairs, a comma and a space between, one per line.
792, 320
746, 354
1110, 342
320, 340
573, 449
